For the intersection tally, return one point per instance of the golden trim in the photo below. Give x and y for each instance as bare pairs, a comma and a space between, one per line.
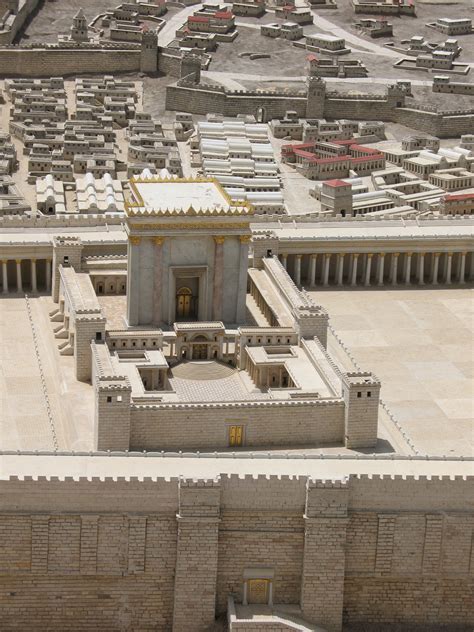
17, 261
139, 203
219, 239
187, 226
245, 239
158, 241
135, 241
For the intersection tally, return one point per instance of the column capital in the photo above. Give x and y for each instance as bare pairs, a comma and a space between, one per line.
395, 254
219, 239
5, 261
450, 254
245, 239
341, 254
33, 259
327, 254
135, 241
381, 254
158, 240
356, 255
437, 254
18, 261
298, 256
409, 254
370, 255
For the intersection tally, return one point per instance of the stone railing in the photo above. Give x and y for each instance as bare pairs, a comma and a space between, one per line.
42, 376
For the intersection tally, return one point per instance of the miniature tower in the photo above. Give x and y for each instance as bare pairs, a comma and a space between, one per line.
79, 30
316, 96
149, 52
191, 68
336, 197
67, 251
361, 393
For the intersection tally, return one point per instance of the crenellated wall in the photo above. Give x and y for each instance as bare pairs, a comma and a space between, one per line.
118, 553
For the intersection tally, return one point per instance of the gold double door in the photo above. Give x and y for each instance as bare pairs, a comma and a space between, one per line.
258, 591
236, 436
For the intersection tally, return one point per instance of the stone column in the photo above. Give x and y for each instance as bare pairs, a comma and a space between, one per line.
326, 261
243, 271
355, 258
421, 268
19, 282
368, 269
133, 274
394, 268
157, 279
312, 270
322, 581
462, 267
197, 552
48, 275
218, 288
407, 272
340, 268
5, 276
34, 284
284, 261
380, 267
449, 266
434, 271
298, 270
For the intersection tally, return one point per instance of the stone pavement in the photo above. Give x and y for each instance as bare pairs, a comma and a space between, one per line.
420, 344
24, 420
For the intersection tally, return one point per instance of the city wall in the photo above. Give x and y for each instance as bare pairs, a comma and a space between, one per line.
186, 96
54, 61
206, 426
161, 553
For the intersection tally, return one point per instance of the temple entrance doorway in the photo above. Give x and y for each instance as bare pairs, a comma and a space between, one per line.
187, 301
258, 591
200, 348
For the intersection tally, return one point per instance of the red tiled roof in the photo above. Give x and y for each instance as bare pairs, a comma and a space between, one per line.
311, 58
459, 196
367, 158
198, 18
336, 183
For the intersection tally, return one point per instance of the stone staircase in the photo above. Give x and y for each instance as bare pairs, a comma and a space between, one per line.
65, 348
56, 316
202, 370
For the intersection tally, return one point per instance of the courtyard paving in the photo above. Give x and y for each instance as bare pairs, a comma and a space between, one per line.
42, 407
420, 344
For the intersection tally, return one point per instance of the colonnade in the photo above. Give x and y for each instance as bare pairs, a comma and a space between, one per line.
39, 275
379, 268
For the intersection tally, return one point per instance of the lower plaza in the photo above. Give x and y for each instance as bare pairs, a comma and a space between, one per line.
236, 316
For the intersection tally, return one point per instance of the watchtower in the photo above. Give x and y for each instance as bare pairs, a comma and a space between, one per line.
79, 30
361, 393
149, 52
315, 98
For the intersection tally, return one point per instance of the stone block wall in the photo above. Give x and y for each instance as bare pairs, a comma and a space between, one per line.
47, 62
205, 426
161, 553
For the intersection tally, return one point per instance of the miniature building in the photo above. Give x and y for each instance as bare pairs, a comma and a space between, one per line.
326, 44
255, 8
99, 195
298, 15
385, 7
336, 197
452, 26
375, 27
50, 197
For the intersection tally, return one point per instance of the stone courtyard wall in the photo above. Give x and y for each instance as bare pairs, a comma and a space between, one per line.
205, 426
89, 554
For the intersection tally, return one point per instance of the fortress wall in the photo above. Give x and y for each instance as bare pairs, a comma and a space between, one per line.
35, 62
169, 64
181, 427
187, 99
358, 109
89, 554
202, 101
444, 126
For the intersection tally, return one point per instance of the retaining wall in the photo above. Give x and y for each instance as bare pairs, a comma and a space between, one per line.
96, 553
